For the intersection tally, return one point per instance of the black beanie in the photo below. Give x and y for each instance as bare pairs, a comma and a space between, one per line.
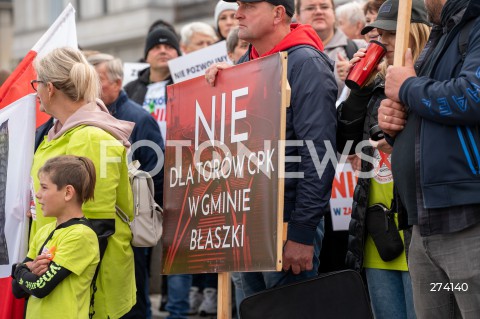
162, 36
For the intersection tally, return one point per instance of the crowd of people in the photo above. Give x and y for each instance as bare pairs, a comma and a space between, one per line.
414, 220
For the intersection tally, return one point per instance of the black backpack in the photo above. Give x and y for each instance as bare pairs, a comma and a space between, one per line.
351, 48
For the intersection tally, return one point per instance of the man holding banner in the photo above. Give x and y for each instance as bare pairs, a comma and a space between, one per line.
435, 159
311, 126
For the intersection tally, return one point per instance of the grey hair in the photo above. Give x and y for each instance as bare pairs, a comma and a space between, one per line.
232, 39
113, 64
353, 11
68, 71
196, 27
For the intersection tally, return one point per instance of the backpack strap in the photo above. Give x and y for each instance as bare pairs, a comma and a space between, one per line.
463, 38
68, 223
86, 222
351, 48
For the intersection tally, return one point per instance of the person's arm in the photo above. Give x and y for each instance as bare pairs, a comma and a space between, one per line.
454, 101
151, 159
17, 291
351, 118
38, 286
314, 92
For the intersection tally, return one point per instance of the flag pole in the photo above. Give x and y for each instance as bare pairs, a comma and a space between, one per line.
403, 31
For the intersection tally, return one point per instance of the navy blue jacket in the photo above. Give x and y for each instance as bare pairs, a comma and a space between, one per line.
446, 100
311, 117
146, 128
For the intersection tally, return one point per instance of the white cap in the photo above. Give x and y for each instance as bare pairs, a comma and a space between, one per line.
222, 6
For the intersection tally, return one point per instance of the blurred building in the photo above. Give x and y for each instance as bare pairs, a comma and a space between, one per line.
118, 27
6, 33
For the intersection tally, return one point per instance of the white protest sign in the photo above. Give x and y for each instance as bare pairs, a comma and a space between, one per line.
342, 195
196, 63
131, 69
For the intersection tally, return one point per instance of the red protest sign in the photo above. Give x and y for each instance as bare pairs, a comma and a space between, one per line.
223, 191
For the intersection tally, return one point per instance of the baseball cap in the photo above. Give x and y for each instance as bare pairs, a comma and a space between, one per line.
388, 12
288, 4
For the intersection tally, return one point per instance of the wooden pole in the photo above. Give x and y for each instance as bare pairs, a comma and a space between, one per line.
224, 301
286, 96
403, 31
224, 291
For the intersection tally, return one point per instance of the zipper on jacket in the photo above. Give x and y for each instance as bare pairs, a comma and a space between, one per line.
468, 151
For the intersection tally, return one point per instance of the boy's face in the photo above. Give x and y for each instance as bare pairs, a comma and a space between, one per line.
50, 197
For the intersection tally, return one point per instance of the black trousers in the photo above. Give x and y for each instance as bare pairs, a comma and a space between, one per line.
139, 310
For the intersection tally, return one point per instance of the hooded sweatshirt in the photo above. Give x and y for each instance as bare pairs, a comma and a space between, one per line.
299, 35
94, 114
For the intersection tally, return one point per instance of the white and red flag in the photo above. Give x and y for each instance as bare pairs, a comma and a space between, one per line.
19, 115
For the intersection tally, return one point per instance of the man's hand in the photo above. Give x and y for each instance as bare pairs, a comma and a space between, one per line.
297, 256
391, 117
40, 265
397, 75
211, 73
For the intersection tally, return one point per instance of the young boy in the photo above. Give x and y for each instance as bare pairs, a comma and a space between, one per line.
63, 255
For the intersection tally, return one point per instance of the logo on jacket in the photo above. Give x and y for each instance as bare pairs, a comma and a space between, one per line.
382, 167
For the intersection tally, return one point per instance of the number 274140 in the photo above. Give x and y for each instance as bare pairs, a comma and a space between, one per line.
448, 286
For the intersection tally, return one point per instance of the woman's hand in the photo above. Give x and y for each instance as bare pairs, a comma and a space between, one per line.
356, 162
344, 66
382, 145
357, 56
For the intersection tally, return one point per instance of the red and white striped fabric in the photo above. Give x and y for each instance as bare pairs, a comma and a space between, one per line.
62, 33
17, 105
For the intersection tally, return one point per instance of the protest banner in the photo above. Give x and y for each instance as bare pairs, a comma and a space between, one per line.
130, 71
18, 104
224, 170
223, 194
195, 64
341, 199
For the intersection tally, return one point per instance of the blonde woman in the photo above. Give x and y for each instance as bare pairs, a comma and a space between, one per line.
68, 89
